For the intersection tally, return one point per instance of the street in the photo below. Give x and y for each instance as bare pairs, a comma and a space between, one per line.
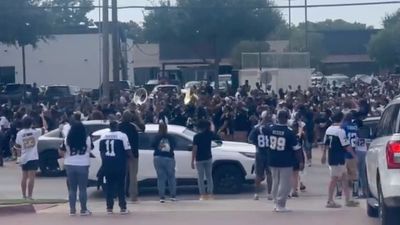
309, 209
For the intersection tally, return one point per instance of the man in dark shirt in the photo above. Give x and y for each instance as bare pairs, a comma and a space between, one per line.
115, 151
258, 137
337, 144
130, 129
202, 158
283, 155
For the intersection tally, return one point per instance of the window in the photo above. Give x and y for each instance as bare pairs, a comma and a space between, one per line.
388, 123
182, 143
146, 141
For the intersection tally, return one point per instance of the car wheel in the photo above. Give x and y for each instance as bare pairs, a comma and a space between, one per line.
228, 179
388, 216
48, 163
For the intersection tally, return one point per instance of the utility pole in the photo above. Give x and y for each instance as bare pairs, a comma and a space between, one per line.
290, 24
306, 24
116, 51
106, 53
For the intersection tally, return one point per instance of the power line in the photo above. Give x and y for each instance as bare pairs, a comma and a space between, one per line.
225, 7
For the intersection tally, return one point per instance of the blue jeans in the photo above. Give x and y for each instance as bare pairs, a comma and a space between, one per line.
204, 168
77, 177
165, 168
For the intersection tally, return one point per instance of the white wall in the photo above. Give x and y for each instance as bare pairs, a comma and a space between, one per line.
72, 59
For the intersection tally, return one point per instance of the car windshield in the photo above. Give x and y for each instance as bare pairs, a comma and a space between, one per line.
191, 84
58, 91
167, 89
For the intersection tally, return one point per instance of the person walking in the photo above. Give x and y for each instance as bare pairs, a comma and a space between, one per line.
129, 128
76, 152
337, 144
202, 158
115, 151
258, 137
164, 162
284, 153
26, 145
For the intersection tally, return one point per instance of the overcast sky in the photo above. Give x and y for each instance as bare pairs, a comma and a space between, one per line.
371, 15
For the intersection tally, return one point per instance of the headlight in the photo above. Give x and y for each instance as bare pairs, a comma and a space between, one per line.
249, 155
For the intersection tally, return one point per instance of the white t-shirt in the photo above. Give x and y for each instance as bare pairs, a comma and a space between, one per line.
64, 129
28, 140
77, 158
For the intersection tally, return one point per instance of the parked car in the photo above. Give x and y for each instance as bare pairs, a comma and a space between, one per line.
50, 142
383, 167
149, 86
61, 94
166, 88
14, 93
233, 162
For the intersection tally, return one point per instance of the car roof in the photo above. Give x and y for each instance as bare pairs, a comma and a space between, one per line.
95, 122
150, 128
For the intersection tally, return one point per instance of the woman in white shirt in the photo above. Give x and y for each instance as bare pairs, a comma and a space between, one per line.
26, 146
76, 152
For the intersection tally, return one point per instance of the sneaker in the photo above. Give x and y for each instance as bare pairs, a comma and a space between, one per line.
173, 199
124, 212
295, 194
72, 213
110, 211
269, 197
352, 203
256, 197
282, 210
339, 195
86, 213
332, 205
162, 200
202, 198
302, 187
309, 162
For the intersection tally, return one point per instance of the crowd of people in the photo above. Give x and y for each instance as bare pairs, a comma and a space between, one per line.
284, 126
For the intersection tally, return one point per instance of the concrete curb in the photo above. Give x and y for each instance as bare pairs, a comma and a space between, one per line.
16, 209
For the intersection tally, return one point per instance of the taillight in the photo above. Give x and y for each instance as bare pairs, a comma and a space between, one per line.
393, 154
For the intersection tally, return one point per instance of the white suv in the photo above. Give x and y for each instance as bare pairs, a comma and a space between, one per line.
383, 167
233, 162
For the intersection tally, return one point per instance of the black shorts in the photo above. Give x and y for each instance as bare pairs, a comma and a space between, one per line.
261, 165
32, 165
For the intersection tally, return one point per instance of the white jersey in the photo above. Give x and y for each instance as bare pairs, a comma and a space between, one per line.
77, 157
27, 139
4, 123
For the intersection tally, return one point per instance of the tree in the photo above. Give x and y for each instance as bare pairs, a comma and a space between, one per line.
23, 23
384, 47
316, 38
212, 25
134, 31
63, 15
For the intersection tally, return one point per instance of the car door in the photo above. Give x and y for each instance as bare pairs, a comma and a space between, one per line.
385, 129
183, 157
146, 166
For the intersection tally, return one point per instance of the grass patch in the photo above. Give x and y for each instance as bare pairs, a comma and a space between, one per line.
6, 202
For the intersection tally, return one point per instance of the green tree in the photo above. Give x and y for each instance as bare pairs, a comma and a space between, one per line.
216, 24
23, 23
316, 39
384, 47
134, 31
63, 13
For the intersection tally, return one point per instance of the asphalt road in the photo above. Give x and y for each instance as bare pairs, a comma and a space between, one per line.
309, 209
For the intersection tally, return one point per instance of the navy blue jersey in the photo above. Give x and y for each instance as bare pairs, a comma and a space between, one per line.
259, 137
351, 131
113, 147
336, 141
282, 146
